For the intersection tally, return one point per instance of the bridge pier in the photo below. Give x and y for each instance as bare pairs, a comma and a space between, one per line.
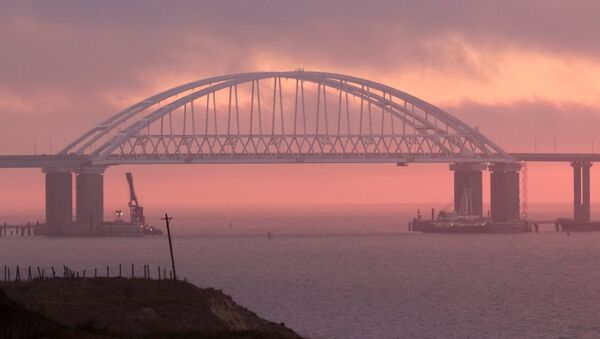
59, 198
468, 178
504, 191
581, 191
90, 196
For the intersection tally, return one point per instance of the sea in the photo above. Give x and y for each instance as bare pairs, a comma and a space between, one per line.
354, 271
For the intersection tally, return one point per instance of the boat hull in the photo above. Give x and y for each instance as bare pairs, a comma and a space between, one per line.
489, 227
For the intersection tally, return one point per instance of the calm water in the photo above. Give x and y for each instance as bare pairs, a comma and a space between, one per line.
354, 272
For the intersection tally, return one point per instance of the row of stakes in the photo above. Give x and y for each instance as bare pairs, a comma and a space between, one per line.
71, 274
22, 230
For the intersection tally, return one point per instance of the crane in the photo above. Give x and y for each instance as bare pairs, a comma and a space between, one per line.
137, 211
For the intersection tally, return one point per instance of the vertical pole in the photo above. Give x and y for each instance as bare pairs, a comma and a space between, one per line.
237, 111
281, 108
339, 119
251, 108
576, 190
184, 118
215, 113
229, 111
296, 107
586, 192
167, 219
325, 110
193, 119
303, 107
259, 108
274, 104
318, 108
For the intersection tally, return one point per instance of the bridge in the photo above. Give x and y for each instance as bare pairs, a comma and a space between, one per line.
286, 117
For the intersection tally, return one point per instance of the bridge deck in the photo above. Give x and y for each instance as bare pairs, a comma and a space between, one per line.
557, 157
72, 161
42, 161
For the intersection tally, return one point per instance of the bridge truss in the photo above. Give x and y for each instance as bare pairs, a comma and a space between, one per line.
283, 117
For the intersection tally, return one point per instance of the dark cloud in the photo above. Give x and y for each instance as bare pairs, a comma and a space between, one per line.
111, 42
97, 55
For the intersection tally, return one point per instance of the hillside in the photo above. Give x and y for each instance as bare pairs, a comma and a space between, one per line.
117, 307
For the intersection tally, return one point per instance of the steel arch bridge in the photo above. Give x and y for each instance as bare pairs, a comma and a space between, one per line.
284, 117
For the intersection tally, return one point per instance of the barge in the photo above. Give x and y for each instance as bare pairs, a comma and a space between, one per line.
455, 223
465, 221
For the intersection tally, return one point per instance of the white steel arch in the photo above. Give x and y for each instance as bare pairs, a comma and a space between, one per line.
279, 117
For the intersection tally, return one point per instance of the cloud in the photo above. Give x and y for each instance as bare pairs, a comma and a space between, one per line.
519, 126
74, 63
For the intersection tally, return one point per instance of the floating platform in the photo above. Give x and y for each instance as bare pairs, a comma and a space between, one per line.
109, 229
429, 226
570, 225
457, 223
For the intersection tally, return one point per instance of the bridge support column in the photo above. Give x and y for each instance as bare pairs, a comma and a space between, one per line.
468, 180
90, 196
59, 199
581, 191
504, 190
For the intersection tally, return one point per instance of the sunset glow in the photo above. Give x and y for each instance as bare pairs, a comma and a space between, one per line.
524, 92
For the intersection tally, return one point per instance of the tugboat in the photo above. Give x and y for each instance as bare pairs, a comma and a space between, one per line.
464, 221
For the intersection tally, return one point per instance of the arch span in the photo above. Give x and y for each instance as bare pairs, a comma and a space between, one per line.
296, 116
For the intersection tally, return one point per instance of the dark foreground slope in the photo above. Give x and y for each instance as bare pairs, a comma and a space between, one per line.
116, 307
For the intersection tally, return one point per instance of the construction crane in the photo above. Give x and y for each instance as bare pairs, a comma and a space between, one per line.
137, 211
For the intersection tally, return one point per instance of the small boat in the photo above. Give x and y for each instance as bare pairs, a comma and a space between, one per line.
151, 230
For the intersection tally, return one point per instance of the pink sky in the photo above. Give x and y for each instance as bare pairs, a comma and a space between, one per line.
519, 71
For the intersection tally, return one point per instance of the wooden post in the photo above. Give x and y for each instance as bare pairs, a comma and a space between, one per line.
167, 219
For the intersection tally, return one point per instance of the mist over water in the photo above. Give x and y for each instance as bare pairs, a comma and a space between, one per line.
355, 272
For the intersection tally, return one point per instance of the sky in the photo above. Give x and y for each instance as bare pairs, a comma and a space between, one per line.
526, 73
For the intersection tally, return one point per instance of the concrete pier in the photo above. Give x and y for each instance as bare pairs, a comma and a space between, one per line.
468, 177
581, 191
504, 191
59, 199
90, 196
